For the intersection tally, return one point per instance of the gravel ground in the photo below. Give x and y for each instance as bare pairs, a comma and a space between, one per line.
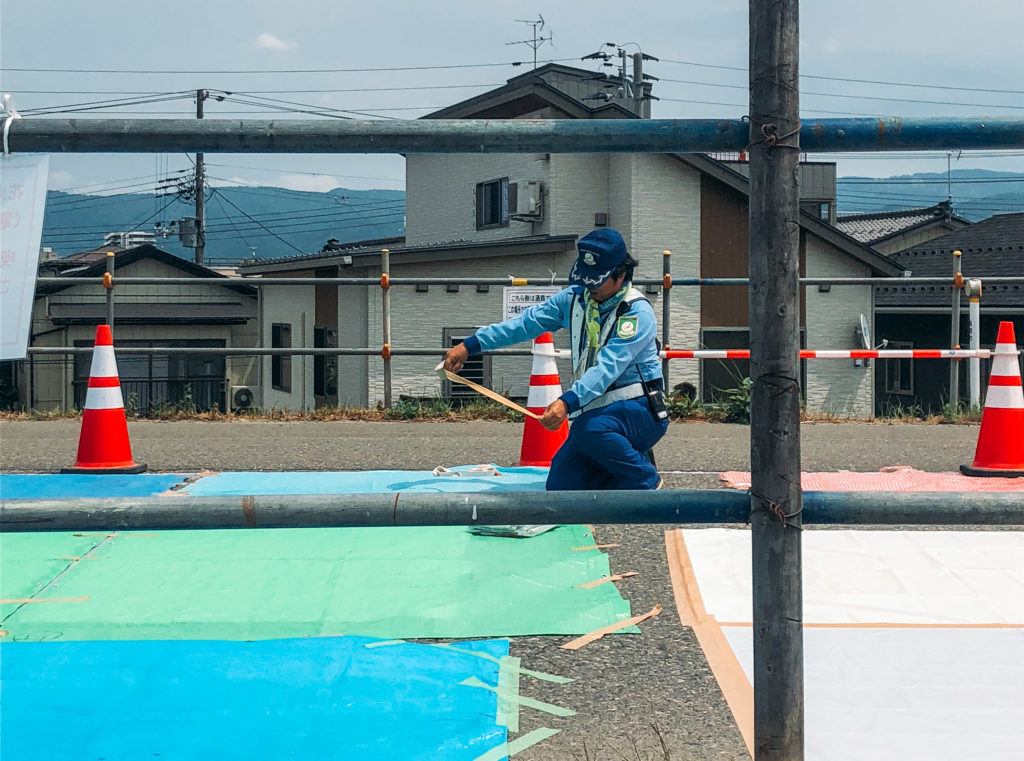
642, 697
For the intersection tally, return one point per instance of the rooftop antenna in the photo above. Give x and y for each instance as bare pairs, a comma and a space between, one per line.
536, 41
949, 183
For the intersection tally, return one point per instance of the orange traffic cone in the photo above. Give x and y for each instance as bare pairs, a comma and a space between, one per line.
1000, 449
103, 445
540, 444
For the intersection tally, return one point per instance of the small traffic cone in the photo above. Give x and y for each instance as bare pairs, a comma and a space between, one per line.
103, 445
540, 444
1000, 449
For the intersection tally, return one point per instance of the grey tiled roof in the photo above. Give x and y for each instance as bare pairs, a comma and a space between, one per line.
991, 248
876, 226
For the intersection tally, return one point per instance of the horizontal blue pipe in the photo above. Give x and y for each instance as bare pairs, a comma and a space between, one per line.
498, 136
673, 506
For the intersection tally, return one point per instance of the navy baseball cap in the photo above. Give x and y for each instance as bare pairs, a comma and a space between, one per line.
600, 252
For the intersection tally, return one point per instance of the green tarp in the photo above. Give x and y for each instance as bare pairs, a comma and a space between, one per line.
439, 582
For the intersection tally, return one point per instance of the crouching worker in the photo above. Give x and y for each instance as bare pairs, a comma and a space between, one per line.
616, 402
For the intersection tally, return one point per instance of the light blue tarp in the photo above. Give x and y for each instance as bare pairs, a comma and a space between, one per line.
366, 482
75, 486
316, 698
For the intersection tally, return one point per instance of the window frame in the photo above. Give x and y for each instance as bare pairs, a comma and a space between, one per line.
450, 336
281, 364
504, 204
895, 368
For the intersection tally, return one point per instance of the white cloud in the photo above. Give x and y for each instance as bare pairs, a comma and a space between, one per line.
268, 41
60, 180
319, 183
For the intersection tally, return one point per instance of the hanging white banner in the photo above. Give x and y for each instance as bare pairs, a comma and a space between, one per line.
22, 200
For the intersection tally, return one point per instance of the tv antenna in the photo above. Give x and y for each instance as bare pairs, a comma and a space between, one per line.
538, 39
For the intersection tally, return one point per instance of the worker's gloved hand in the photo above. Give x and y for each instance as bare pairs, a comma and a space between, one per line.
455, 357
554, 415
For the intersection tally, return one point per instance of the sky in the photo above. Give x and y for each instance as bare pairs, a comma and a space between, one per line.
703, 46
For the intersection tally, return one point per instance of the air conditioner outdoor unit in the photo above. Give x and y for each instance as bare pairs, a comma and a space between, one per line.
244, 397
529, 197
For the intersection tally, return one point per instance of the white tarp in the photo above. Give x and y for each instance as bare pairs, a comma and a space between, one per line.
912, 639
22, 200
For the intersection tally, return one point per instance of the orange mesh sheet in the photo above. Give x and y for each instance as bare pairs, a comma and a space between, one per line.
892, 478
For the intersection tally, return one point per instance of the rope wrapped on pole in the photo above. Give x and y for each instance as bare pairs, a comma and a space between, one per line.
670, 506
499, 136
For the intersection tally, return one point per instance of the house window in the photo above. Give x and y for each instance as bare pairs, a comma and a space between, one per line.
493, 201
325, 368
899, 373
280, 364
476, 369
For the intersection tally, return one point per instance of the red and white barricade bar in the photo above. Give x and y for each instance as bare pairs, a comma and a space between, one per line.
836, 354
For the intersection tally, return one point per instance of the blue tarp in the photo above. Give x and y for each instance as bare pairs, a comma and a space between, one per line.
366, 482
316, 698
75, 486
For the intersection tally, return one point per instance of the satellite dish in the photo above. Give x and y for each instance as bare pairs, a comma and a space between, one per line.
865, 332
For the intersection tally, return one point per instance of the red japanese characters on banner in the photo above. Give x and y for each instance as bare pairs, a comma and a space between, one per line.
22, 200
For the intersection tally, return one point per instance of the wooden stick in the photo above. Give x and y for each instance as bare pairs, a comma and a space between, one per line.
449, 375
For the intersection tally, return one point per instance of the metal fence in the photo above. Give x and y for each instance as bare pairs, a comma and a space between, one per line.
388, 351
774, 135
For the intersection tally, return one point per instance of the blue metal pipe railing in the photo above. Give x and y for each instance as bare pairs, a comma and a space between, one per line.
499, 136
468, 509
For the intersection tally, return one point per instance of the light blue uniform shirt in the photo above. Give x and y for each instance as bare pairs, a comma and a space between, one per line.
620, 361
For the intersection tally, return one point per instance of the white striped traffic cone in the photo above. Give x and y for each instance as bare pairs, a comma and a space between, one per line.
1000, 449
540, 444
103, 445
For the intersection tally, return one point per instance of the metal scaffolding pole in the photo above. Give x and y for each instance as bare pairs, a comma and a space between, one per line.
671, 507
498, 136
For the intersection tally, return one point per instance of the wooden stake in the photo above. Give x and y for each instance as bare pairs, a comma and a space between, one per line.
774, 262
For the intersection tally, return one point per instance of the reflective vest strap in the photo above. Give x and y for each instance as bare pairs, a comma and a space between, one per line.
578, 334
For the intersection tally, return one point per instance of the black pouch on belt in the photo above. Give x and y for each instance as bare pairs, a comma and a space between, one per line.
655, 394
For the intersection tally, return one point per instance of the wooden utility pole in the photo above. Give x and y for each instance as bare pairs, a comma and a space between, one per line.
201, 95
775, 371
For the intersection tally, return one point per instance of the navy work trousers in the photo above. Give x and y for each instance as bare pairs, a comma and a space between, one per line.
606, 449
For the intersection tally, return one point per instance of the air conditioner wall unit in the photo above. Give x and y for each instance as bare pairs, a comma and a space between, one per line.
244, 398
529, 198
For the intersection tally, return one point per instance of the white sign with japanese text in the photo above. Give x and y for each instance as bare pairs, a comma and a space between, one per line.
516, 300
22, 200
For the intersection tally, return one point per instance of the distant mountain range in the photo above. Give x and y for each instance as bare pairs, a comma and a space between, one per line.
977, 193
241, 222
267, 222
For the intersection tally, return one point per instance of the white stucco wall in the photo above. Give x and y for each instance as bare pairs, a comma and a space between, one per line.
293, 305
836, 386
440, 194
419, 319
665, 214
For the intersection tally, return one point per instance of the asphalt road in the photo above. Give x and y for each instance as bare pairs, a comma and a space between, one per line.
642, 697
692, 447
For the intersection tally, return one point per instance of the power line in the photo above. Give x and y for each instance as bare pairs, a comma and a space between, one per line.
283, 71
927, 181
743, 69
852, 97
110, 103
229, 201
266, 92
